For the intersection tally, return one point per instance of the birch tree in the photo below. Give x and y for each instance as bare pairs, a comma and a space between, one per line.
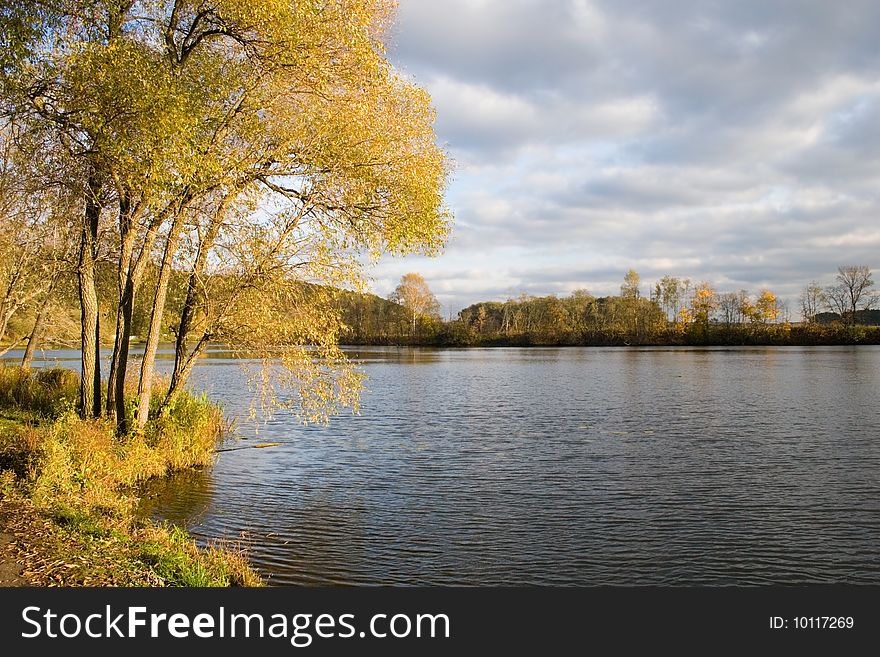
414, 294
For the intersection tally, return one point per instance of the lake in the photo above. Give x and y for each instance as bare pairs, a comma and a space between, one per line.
572, 466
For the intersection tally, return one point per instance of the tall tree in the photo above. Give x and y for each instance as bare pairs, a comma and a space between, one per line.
414, 294
812, 301
669, 293
630, 287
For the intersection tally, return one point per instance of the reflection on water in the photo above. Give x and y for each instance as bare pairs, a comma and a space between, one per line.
164, 496
559, 466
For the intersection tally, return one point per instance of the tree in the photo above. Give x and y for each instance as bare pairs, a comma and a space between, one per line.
669, 293
414, 294
630, 287
852, 293
257, 145
812, 301
763, 310
703, 304
766, 308
730, 308
33, 237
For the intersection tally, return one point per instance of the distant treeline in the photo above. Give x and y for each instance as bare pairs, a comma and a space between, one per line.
581, 320
674, 313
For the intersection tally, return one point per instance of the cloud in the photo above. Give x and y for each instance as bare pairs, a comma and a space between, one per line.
733, 142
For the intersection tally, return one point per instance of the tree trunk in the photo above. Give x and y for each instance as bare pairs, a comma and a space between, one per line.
182, 372
36, 332
114, 362
97, 407
4, 322
123, 338
90, 385
123, 274
126, 304
183, 362
145, 384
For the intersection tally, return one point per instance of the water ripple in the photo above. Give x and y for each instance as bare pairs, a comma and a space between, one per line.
561, 466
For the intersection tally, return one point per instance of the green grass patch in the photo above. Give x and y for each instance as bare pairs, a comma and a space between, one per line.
175, 558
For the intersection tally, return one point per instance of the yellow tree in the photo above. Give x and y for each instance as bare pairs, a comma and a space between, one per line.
703, 304
767, 307
115, 122
414, 294
271, 126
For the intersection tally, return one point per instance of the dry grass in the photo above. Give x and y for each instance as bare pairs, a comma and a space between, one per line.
44, 392
83, 466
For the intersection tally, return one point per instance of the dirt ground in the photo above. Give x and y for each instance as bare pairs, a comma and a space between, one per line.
11, 567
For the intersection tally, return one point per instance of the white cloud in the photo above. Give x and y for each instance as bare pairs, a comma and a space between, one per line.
733, 142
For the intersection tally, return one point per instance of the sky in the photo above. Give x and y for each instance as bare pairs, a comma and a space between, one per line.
736, 142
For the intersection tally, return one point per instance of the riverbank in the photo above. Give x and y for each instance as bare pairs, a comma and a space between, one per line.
459, 333
68, 492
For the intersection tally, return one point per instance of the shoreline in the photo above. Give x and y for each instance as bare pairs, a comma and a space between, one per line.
693, 335
719, 345
69, 493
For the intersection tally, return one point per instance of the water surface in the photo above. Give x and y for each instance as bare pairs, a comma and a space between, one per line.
559, 466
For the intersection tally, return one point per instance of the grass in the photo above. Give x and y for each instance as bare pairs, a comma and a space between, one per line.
176, 559
42, 392
75, 482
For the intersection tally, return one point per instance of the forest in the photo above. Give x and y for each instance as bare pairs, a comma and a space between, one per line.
675, 312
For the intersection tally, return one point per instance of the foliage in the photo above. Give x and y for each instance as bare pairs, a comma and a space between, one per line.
232, 149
